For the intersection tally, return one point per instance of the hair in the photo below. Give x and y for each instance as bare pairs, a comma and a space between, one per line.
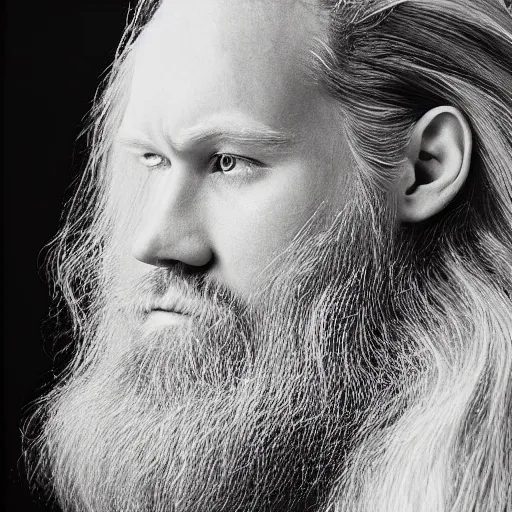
387, 62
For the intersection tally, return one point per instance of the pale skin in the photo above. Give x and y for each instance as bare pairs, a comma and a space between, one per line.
241, 147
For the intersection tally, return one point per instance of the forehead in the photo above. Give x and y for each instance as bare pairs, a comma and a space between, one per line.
205, 58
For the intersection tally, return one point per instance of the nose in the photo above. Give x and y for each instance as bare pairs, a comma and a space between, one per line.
172, 230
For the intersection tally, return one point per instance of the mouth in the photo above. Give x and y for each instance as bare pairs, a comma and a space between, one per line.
165, 317
177, 307
175, 311
171, 310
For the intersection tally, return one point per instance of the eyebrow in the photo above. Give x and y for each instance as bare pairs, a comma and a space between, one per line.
256, 137
264, 137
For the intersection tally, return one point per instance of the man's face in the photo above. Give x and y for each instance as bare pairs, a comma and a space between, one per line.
241, 145
248, 406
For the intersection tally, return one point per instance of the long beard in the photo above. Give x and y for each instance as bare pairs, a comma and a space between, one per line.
249, 408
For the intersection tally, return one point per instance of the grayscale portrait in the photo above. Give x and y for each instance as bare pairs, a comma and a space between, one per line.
288, 265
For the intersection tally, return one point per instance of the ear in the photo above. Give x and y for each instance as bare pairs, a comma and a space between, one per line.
437, 164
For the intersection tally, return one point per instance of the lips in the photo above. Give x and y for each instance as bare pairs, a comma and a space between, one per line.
176, 311
174, 302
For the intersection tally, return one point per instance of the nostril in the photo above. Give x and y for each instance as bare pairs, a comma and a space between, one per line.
186, 269
199, 269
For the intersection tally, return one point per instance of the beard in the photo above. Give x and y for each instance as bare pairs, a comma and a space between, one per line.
245, 408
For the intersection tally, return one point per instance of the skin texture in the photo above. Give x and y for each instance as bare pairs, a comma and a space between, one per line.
230, 67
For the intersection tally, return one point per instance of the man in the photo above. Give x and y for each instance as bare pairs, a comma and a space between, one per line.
290, 264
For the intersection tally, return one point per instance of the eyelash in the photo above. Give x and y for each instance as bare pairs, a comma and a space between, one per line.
216, 161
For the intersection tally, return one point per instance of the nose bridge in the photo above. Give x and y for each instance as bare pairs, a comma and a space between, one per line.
171, 228
172, 199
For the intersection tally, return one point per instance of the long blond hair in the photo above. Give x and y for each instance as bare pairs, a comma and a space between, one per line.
388, 62
446, 445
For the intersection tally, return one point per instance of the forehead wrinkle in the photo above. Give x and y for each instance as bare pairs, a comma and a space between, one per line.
232, 133
264, 138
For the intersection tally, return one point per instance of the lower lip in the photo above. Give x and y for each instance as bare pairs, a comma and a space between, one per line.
160, 318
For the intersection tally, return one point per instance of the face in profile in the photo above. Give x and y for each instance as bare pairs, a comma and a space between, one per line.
248, 332
234, 195
239, 147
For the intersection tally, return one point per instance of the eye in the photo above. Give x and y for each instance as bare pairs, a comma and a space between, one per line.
152, 160
225, 163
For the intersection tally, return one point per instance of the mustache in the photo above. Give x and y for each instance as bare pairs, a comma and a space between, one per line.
176, 289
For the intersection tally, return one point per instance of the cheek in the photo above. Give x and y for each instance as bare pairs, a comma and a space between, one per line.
251, 226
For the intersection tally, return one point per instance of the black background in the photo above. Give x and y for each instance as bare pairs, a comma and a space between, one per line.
54, 55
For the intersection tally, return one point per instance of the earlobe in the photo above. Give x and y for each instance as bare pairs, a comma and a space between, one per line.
437, 164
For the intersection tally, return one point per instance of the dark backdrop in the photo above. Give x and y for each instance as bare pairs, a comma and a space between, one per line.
54, 54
